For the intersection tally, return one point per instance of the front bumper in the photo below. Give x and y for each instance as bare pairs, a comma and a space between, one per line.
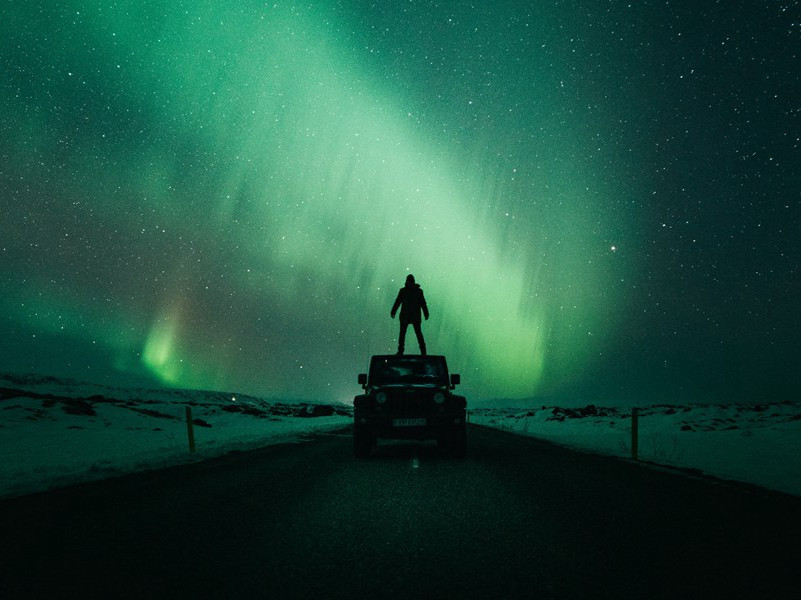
402, 426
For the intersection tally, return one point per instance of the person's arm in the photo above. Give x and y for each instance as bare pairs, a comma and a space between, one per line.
423, 305
396, 305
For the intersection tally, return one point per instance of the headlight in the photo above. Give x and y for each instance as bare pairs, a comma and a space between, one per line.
439, 398
381, 397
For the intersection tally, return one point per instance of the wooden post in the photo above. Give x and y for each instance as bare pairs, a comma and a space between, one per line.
635, 426
189, 429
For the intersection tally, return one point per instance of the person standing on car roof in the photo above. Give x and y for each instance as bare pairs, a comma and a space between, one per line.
411, 302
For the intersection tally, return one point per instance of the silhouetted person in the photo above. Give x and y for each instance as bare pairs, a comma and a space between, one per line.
411, 302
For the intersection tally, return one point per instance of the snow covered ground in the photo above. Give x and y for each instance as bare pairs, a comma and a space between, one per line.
753, 443
56, 432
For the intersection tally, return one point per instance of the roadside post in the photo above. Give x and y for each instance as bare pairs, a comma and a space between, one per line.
635, 426
189, 429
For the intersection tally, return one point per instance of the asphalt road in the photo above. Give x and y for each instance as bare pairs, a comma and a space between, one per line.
517, 518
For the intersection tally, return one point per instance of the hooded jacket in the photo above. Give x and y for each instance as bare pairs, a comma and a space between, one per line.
411, 302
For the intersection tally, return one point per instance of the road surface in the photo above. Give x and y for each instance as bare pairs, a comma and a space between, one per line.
517, 518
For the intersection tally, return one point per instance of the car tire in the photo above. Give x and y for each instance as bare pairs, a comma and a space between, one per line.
458, 443
362, 443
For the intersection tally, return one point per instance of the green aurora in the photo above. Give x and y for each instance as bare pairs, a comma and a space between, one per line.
229, 195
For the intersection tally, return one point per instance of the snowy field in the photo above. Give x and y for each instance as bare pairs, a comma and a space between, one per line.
56, 432
753, 443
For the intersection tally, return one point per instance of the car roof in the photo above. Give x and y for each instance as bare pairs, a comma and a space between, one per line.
419, 357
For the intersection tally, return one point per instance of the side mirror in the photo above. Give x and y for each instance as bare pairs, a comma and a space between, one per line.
363, 379
455, 379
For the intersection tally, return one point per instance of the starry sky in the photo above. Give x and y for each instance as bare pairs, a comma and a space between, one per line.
600, 199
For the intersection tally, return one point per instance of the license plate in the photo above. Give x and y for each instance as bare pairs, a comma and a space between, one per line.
408, 422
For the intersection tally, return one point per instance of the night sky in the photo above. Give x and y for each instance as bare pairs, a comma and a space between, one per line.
601, 200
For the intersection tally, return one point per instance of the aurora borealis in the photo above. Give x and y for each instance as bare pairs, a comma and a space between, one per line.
600, 199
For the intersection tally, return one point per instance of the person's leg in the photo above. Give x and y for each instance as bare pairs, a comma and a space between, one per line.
402, 336
420, 341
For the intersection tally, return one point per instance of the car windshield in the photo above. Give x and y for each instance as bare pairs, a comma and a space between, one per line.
391, 370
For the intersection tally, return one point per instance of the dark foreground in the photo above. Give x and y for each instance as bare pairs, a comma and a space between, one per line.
516, 518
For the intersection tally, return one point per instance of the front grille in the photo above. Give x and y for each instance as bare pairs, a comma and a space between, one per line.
408, 404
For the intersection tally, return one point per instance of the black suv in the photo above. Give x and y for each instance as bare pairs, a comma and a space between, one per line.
409, 397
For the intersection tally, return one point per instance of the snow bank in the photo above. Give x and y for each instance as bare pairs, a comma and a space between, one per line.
55, 432
754, 443
58, 432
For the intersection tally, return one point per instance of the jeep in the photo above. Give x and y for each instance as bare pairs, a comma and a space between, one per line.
409, 397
